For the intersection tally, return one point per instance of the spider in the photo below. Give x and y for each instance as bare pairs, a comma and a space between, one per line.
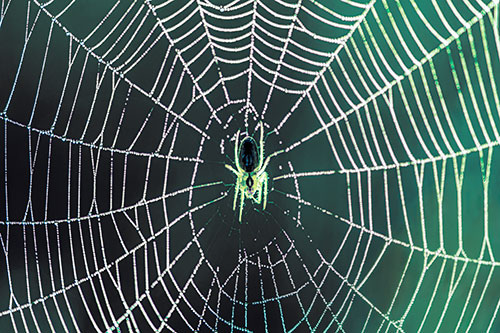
250, 171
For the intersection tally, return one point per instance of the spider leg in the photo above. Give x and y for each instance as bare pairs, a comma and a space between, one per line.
259, 191
242, 203
261, 146
264, 175
236, 147
232, 169
264, 166
259, 195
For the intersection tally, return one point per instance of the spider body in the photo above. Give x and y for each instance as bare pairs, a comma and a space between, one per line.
251, 182
248, 159
248, 154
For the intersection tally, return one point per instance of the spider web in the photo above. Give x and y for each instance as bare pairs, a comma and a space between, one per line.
381, 120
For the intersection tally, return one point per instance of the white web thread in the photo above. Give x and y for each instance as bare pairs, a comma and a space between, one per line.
419, 164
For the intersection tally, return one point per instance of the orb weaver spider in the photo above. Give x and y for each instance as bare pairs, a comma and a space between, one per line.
250, 171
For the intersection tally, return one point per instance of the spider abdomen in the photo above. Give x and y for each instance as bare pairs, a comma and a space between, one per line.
248, 154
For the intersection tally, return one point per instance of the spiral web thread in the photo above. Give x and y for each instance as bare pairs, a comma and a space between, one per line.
403, 94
